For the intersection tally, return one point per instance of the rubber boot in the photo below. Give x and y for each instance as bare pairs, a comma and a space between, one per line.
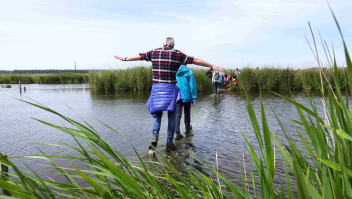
170, 147
178, 135
188, 131
153, 144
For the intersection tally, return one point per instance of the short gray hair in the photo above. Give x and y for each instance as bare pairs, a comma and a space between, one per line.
169, 41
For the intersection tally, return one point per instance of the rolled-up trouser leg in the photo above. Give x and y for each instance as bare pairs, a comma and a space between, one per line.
171, 126
187, 109
178, 115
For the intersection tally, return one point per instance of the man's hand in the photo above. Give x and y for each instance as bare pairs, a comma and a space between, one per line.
201, 62
218, 68
119, 57
193, 104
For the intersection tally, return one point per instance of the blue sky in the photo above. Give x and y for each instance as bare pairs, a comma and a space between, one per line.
38, 34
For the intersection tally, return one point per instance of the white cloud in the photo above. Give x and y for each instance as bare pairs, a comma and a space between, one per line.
227, 33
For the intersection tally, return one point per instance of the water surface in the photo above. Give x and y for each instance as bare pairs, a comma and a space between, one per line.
216, 120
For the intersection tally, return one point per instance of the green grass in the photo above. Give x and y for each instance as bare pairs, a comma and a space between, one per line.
59, 78
6, 86
203, 82
270, 78
137, 78
267, 78
140, 79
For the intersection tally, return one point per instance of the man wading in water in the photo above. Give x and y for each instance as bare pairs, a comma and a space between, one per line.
165, 61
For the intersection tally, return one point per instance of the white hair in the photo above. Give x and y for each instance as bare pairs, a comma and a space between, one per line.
169, 41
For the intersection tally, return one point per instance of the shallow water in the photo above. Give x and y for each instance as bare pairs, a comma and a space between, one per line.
216, 120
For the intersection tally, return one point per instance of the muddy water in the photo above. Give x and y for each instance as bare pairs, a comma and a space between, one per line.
216, 121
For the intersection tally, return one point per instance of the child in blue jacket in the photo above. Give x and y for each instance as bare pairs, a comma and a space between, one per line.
188, 90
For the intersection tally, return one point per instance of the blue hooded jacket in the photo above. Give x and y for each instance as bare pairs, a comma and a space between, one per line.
187, 84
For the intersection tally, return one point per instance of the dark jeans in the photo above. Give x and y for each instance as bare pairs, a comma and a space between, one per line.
216, 86
187, 109
170, 126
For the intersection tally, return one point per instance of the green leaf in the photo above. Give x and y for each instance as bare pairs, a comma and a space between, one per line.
288, 185
300, 180
103, 193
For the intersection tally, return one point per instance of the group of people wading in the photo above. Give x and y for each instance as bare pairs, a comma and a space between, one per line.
174, 89
221, 80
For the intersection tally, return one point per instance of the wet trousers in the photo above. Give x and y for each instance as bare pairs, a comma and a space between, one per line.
170, 127
216, 86
187, 116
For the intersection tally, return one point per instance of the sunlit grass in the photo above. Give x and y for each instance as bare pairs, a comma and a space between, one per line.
270, 78
58, 78
138, 79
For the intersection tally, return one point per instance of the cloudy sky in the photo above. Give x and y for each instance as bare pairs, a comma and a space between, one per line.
38, 34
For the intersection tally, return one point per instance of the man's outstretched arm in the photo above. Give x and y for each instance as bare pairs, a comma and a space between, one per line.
131, 58
201, 62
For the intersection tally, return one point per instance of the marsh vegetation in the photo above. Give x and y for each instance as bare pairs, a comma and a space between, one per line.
58, 78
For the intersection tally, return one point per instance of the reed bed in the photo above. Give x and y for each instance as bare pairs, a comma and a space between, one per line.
59, 78
140, 79
271, 78
267, 78
137, 78
6, 86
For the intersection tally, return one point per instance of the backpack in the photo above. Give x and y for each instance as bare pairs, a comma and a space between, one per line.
216, 76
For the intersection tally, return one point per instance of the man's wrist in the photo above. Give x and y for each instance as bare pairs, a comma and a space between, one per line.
125, 58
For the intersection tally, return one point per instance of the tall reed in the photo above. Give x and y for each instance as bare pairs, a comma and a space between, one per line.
137, 78
270, 78
58, 78
267, 78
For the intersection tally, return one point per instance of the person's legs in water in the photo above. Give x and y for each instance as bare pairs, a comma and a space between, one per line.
215, 88
156, 129
187, 109
178, 119
170, 146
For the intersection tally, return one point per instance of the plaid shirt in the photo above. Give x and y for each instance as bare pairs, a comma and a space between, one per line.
166, 62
